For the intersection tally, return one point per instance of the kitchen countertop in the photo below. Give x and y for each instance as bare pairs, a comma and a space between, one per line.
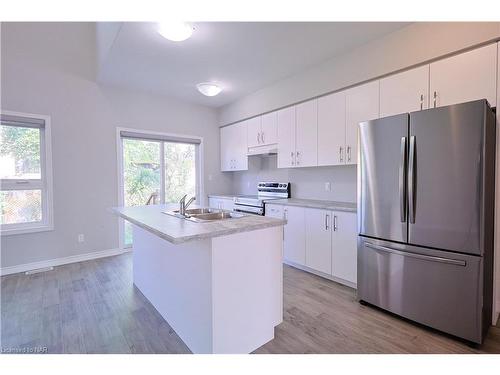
177, 230
311, 203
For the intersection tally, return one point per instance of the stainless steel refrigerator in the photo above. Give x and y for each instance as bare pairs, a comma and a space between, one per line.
426, 184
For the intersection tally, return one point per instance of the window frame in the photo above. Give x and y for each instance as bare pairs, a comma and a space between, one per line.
45, 183
199, 163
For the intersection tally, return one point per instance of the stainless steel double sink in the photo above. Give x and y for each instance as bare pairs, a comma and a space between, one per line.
201, 215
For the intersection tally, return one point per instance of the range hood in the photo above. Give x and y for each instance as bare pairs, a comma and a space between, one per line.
271, 149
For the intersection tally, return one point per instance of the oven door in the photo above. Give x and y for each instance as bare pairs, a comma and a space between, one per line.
249, 209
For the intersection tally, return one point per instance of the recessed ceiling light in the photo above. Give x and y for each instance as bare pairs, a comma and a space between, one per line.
208, 89
175, 31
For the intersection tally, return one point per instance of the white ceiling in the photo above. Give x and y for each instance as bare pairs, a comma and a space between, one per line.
242, 56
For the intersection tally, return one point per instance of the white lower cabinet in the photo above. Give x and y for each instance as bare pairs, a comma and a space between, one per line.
221, 203
318, 240
344, 246
294, 241
275, 211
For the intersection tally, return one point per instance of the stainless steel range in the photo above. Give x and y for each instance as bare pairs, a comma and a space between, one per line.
266, 191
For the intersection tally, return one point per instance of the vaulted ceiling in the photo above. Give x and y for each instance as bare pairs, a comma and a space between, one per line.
241, 56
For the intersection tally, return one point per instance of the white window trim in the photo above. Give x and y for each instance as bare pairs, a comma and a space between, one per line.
200, 188
46, 183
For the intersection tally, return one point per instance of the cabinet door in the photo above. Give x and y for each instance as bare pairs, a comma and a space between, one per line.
286, 137
318, 240
254, 131
274, 211
344, 246
227, 204
331, 129
295, 242
307, 134
465, 77
362, 104
405, 92
225, 151
239, 146
269, 125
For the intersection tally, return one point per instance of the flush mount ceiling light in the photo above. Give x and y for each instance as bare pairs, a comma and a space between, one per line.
175, 31
208, 89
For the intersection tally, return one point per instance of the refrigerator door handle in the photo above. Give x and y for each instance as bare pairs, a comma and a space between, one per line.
386, 249
402, 179
411, 181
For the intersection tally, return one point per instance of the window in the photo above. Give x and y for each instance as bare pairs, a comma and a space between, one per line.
25, 173
156, 169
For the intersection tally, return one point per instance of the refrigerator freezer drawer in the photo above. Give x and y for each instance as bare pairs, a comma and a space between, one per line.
439, 289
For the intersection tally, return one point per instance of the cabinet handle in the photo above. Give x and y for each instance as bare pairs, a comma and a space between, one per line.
335, 223
348, 153
435, 98
291, 156
327, 222
258, 138
421, 101
297, 160
341, 154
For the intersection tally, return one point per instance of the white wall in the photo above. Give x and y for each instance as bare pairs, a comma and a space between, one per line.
49, 68
307, 183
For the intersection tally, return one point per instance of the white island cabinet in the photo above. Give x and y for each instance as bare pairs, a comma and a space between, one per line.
218, 284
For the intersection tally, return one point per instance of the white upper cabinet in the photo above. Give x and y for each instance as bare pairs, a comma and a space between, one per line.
464, 77
362, 104
225, 159
307, 134
405, 92
286, 137
318, 240
269, 126
331, 129
254, 131
233, 147
262, 130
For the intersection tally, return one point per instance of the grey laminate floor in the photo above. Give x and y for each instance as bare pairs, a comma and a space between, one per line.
93, 307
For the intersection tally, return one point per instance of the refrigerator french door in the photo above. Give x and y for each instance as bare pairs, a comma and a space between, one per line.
425, 216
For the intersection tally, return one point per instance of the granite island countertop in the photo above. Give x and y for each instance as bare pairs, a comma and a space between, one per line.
178, 230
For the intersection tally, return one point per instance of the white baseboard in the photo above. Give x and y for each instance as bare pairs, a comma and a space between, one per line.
60, 261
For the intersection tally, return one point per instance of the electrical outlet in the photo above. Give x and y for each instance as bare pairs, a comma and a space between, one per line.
328, 186
210, 177
81, 238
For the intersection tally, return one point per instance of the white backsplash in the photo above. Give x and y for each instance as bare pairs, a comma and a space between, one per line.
306, 183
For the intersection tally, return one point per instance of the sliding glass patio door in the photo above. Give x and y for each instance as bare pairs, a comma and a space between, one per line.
156, 171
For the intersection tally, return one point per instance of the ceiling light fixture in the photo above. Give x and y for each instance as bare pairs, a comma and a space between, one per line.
208, 89
175, 31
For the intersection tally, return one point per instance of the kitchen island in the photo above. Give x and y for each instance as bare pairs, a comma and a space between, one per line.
218, 283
